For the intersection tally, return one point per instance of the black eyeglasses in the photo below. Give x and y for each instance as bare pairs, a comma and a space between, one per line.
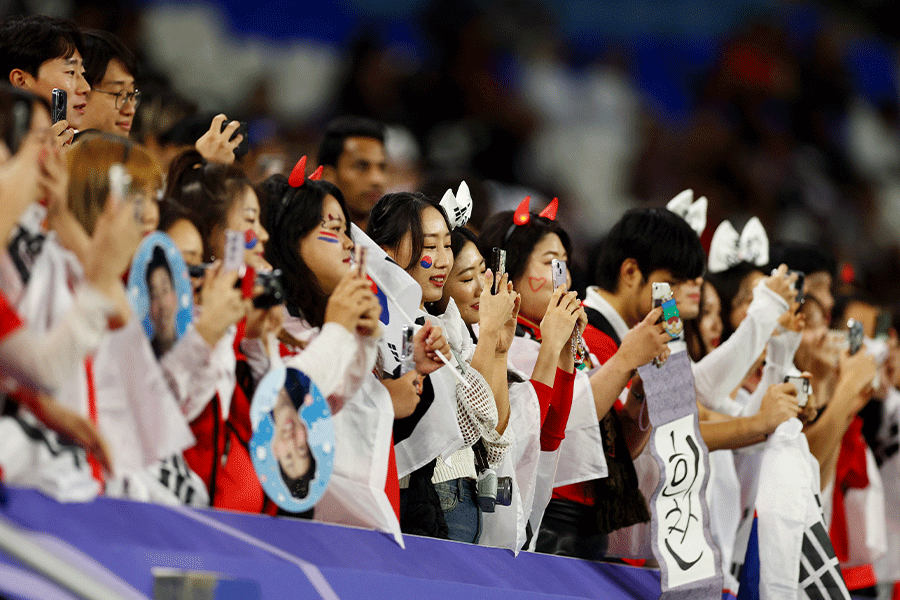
123, 97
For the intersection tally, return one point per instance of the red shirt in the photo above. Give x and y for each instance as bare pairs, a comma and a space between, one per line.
603, 347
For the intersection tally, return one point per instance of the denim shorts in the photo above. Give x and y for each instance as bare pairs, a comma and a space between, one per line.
459, 502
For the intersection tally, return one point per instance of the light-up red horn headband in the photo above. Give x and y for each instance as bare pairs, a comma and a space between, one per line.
298, 175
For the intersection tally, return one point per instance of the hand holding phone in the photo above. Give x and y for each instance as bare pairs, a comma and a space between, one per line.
359, 260
671, 319
498, 268
855, 335
803, 388
119, 183
798, 285
59, 105
407, 353
558, 273
244, 146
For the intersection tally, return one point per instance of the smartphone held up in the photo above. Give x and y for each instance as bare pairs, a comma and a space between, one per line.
58, 105
498, 268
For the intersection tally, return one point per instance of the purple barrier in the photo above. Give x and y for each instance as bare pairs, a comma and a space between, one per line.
294, 559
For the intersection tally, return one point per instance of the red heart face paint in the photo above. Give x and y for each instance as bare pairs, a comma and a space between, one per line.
426, 262
536, 283
328, 236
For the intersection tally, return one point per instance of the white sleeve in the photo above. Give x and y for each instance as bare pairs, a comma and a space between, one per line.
476, 412
46, 361
194, 371
338, 361
723, 369
779, 362
255, 352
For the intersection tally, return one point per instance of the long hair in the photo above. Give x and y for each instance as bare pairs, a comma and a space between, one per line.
205, 190
292, 213
396, 214
89, 162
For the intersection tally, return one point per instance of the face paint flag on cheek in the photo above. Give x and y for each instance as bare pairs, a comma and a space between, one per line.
250, 239
426, 262
328, 236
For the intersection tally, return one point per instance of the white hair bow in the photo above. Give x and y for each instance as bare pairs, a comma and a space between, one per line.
458, 206
729, 249
694, 212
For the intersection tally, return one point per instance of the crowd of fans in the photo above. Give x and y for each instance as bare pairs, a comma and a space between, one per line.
520, 376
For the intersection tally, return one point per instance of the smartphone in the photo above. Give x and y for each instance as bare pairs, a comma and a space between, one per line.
58, 104
854, 335
498, 268
119, 182
660, 292
359, 260
407, 360
243, 129
803, 388
671, 320
798, 285
197, 271
558, 273
882, 325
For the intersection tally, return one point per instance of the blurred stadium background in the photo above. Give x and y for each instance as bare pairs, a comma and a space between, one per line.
784, 110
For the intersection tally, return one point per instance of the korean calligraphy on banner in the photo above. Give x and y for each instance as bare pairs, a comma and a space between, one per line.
688, 559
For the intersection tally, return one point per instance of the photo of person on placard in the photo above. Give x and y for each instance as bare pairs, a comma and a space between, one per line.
290, 444
160, 291
163, 302
292, 447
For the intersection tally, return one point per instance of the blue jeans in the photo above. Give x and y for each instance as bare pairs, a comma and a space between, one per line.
459, 502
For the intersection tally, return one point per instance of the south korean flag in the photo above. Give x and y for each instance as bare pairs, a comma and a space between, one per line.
783, 543
820, 573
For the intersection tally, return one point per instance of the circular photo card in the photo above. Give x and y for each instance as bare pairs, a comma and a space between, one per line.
293, 439
160, 291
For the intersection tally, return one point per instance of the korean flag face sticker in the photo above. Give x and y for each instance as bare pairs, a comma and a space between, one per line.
292, 447
160, 291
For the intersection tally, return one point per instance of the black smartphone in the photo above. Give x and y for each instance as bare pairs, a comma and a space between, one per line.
882, 325
58, 105
498, 268
244, 147
855, 335
798, 285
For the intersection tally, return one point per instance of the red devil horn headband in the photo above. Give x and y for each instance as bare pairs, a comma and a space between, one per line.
550, 211
522, 216
298, 175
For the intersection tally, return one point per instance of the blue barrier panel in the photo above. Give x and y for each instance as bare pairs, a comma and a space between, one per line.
299, 559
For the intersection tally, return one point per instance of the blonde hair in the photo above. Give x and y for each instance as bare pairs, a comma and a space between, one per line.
89, 161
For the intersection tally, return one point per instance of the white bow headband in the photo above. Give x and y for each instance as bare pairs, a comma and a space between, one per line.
729, 249
459, 206
694, 212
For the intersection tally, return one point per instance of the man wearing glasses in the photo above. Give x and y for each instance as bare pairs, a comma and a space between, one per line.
109, 68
